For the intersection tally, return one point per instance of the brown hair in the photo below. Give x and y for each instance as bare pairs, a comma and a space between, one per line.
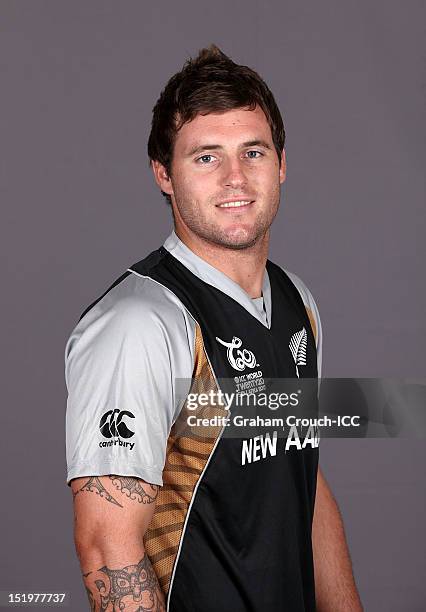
210, 83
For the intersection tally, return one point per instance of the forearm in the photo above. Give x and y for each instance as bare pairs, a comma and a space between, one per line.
111, 516
334, 582
123, 581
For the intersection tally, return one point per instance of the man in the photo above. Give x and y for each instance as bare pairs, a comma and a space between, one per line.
169, 518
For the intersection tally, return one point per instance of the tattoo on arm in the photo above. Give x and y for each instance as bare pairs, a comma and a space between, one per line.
94, 485
134, 588
136, 489
92, 602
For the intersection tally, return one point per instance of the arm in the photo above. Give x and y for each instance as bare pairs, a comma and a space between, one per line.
334, 582
111, 516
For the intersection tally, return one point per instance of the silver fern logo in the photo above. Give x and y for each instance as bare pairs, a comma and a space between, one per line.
298, 345
242, 359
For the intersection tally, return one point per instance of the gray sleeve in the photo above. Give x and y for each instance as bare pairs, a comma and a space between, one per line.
122, 361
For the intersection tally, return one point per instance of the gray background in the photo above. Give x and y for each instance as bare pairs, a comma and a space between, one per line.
78, 82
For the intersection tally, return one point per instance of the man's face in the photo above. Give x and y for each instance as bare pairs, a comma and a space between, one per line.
225, 178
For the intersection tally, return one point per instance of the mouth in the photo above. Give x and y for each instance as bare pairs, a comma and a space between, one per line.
235, 204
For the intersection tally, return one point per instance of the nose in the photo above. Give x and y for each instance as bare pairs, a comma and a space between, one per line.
234, 175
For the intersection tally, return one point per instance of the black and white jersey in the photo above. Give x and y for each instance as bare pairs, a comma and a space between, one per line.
226, 534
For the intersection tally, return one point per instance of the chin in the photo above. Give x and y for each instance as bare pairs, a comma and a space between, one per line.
239, 239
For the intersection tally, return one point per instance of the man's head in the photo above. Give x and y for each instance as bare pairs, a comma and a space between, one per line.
217, 150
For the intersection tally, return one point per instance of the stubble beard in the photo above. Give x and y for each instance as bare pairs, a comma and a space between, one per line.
242, 237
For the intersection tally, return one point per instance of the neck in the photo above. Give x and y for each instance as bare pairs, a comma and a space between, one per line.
246, 267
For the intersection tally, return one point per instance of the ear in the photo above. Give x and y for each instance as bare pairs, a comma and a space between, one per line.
283, 167
161, 177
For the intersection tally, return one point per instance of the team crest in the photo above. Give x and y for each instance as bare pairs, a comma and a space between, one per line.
298, 345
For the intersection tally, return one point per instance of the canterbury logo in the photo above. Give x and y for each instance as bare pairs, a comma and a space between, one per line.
298, 345
113, 426
242, 358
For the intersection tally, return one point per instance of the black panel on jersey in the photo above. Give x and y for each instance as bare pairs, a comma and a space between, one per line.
114, 284
247, 543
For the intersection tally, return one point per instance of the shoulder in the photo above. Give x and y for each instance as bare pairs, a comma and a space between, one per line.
137, 296
136, 311
302, 288
312, 312
309, 302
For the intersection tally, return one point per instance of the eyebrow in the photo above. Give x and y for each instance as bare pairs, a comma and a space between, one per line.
214, 147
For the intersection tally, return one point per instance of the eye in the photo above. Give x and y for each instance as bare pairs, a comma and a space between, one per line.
254, 154
204, 159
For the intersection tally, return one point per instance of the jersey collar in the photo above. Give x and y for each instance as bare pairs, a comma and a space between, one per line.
212, 276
